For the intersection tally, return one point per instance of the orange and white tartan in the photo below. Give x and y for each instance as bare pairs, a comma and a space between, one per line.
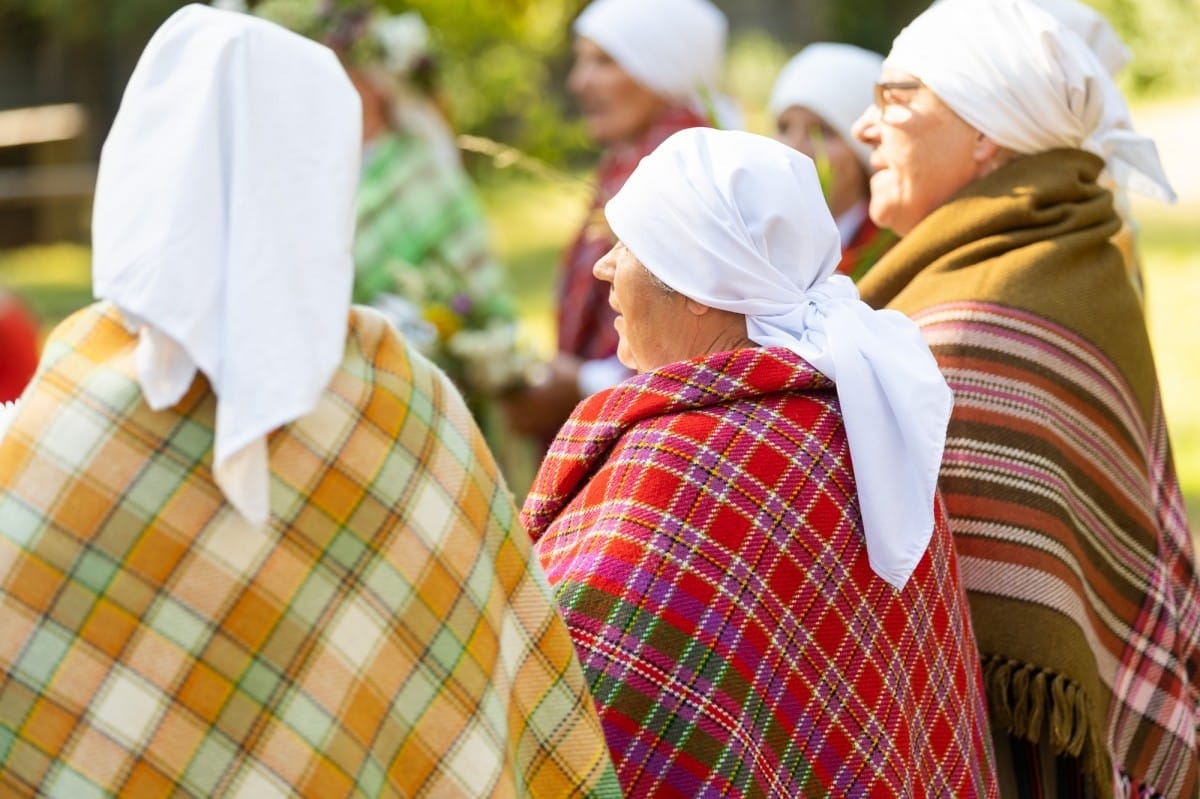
385, 634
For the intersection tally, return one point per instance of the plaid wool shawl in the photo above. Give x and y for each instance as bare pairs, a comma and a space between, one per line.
420, 230
1068, 519
701, 528
385, 635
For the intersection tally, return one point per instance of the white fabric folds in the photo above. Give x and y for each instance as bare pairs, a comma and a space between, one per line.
836, 82
223, 223
737, 222
1091, 26
676, 48
1016, 74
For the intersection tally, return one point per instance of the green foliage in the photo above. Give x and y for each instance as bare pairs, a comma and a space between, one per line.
751, 66
870, 23
1162, 36
91, 19
502, 64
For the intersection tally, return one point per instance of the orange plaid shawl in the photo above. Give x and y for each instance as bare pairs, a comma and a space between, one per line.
385, 635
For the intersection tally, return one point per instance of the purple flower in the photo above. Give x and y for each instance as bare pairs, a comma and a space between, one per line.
461, 304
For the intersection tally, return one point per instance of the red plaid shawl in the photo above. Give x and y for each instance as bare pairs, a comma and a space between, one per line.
386, 634
585, 320
701, 529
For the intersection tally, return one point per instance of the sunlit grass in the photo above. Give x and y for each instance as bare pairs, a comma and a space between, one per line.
1170, 248
532, 223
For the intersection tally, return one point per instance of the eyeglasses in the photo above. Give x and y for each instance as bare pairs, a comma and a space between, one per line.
895, 92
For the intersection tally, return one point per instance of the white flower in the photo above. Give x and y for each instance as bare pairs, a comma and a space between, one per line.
492, 361
404, 39
406, 318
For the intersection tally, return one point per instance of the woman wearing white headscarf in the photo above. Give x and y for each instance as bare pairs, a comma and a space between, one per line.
642, 71
815, 101
1071, 529
251, 543
745, 537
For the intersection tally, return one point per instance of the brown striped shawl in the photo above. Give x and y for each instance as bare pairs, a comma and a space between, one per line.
1071, 530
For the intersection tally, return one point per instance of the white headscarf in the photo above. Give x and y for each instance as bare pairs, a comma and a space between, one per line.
1016, 74
223, 223
836, 82
737, 222
675, 48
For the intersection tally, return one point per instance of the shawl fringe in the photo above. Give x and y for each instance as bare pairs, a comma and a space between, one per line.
1025, 700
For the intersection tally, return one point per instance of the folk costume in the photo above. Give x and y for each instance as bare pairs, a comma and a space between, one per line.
1070, 526
748, 546
257, 548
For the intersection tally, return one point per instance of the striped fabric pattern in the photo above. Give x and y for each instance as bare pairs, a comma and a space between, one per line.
701, 529
385, 635
1058, 478
1064, 462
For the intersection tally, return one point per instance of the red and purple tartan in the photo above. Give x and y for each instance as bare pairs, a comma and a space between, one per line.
701, 529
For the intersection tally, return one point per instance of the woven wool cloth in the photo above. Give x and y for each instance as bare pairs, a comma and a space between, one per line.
386, 634
1070, 526
700, 526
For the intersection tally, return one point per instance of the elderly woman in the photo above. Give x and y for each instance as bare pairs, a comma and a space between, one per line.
642, 71
757, 616
816, 99
258, 548
993, 124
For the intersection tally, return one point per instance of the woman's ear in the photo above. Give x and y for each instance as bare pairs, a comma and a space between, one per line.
988, 155
697, 308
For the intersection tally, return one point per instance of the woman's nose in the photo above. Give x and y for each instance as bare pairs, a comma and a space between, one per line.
865, 128
603, 268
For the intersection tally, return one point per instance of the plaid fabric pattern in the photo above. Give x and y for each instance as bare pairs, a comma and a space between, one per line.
585, 320
1069, 522
421, 232
701, 529
384, 636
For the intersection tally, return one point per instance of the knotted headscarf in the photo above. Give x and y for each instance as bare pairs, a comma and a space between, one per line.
223, 223
737, 222
1091, 26
1016, 74
675, 48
